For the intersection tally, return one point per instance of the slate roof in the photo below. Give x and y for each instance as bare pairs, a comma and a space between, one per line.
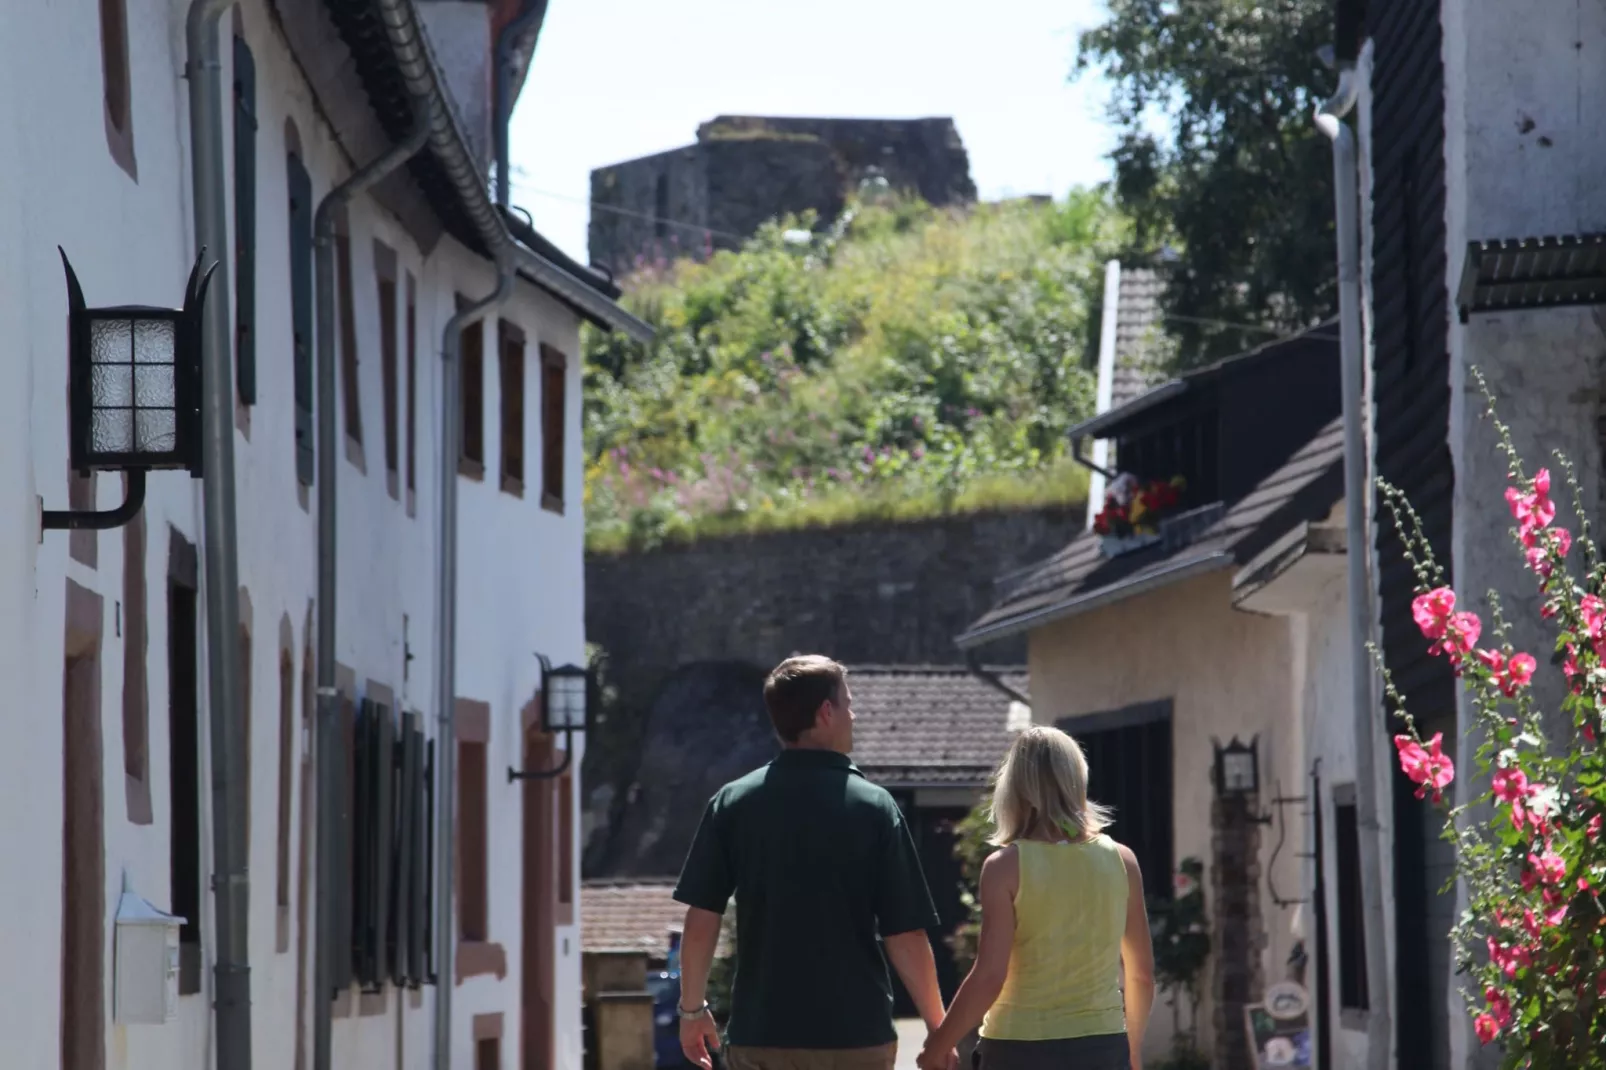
931, 725
631, 915
1139, 335
1080, 577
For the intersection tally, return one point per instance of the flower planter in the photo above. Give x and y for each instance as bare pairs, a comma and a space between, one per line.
1116, 545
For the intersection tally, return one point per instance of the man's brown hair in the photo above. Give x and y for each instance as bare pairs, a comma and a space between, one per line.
796, 689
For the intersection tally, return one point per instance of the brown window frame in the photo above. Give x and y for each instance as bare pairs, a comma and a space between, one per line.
554, 427
350, 376
288, 686
412, 394
83, 835
471, 399
246, 625
185, 787
389, 373
117, 97
564, 841
511, 387
136, 692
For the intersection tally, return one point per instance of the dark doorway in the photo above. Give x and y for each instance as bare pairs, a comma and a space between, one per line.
1129, 768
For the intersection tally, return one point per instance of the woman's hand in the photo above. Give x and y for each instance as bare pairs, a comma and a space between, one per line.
932, 1057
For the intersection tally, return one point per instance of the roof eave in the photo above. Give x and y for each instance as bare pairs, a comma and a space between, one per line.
1079, 604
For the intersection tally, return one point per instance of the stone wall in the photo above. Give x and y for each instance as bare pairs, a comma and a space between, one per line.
690, 631
746, 170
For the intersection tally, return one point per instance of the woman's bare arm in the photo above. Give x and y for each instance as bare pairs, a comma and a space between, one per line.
1000, 880
1137, 960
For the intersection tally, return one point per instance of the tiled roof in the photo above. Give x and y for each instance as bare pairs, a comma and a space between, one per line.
1306, 488
1139, 335
931, 724
630, 916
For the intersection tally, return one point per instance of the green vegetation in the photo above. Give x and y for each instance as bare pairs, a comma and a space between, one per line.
906, 362
1241, 182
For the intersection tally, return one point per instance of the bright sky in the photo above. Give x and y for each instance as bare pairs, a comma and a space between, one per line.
616, 80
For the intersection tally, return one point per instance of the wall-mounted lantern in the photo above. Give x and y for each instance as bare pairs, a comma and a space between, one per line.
1238, 767
565, 708
134, 393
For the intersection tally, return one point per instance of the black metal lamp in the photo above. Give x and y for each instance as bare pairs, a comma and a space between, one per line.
1238, 767
134, 392
565, 708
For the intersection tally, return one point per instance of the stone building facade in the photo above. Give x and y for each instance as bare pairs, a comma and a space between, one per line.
745, 170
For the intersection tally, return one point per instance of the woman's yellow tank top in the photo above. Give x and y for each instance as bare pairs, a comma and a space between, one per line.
1064, 967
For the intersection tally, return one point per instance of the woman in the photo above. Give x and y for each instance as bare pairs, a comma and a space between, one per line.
1061, 914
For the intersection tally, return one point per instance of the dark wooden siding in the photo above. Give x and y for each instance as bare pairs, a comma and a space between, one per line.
1411, 372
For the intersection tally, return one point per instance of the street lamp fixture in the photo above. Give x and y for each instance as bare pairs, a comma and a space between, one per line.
565, 708
134, 393
1238, 767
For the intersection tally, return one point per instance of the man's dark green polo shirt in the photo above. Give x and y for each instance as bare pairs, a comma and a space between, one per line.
820, 861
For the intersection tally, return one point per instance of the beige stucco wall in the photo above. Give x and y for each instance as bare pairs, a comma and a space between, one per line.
1227, 672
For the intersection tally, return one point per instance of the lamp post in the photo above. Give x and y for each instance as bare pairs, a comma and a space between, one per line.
565, 708
134, 393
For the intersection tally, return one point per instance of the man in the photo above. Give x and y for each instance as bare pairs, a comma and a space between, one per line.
819, 861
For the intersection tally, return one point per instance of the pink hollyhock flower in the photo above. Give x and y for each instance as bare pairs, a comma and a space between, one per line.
1550, 866
1432, 611
1486, 1028
1556, 915
1412, 757
1592, 830
1519, 674
1499, 1006
1437, 770
1495, 660
1562, 540
1542, 483
1531, 923
1461, 634
1530, 879
1510, 785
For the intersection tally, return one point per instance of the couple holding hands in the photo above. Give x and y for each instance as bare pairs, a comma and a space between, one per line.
831, 890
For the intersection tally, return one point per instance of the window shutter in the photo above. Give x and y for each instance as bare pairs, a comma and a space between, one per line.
245, 222
431, 972
382, 841
301, 311
341, 778
408, 803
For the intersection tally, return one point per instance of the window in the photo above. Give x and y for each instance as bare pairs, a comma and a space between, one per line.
1352, 994
511, 365
245, 708
301, 312
83, 833
136, 699
245, 222
565, 849
119, 110
554, 372
385, 272
287, 742
472, 908
184, 766
412, 389
348, 345
488, 1053
472, 377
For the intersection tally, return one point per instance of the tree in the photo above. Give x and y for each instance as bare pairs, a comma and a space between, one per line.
1241, 186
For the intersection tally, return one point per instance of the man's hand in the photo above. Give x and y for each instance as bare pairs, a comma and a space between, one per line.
699, 1034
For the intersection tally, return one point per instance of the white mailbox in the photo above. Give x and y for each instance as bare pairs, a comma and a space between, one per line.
145, 965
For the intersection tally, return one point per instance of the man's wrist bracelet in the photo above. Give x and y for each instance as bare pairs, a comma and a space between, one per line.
695, 1013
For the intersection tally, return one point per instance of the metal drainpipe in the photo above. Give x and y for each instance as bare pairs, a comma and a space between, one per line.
1330, 120
446, 654
230, 882
532, 14
328, 470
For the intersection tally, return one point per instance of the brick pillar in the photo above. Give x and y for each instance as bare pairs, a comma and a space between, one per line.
1238, 929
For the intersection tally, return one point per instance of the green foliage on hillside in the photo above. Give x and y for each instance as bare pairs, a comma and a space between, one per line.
906, 362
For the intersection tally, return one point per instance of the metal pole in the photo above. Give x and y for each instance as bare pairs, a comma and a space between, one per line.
446, 654
230, 880
1358, 552
328, 728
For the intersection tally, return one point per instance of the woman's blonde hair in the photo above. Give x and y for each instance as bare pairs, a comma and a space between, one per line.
1041, 785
